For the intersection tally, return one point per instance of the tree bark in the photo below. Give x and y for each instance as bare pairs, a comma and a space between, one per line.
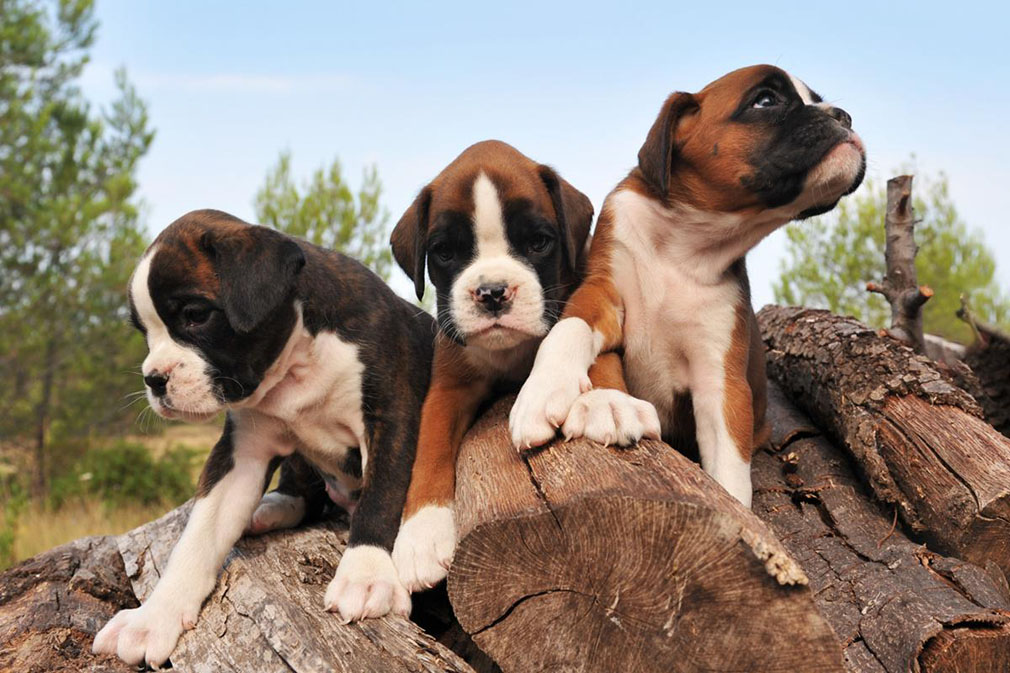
894, 604
585, 558
42, 412
265, 614
901, 285
989, 359
919, 440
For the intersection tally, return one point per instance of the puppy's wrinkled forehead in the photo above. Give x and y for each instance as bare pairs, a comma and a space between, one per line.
723, 96
514, 176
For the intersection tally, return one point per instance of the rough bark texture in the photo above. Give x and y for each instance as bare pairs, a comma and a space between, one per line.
585, 558
901, 285
989, 359
919, 440
895, 605
52, 605
264, 615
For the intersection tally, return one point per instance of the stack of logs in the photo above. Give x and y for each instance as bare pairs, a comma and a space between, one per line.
879, 542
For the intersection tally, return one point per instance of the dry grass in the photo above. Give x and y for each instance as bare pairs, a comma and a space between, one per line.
201, 436
40, 528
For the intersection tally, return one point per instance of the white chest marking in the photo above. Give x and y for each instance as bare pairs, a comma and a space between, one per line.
316, 404
677, 328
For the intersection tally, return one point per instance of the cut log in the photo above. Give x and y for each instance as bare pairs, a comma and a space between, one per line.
585, 558
894, 604
265, 614
920, 441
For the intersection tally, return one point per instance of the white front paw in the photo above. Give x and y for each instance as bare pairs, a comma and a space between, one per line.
424, 547
366, 585
275, 511
611, 416
544, 402
145, 634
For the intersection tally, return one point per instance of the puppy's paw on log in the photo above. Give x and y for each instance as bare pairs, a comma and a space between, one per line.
147, 634
276, 511
424, 547
544, 403
609, 416
366, 585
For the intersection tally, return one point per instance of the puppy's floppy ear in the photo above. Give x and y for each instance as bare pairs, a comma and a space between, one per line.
410, 239
574, 211
655, 159
257, 267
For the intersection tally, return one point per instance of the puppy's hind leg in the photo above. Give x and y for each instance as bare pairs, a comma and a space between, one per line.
286, 506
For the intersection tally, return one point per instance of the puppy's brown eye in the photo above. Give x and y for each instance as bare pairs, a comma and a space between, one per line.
766, 99
540, 244
195, 315
442, 252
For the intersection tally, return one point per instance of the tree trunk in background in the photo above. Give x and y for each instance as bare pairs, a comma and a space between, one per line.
41, 480
901, 284
584, 558
895, 605
919, 440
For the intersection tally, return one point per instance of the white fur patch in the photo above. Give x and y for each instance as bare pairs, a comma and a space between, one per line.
366, 585
276, 511
560, 374
190, 390
312, 394
678, 325
609, 416
803, 90
424, 547
493, 263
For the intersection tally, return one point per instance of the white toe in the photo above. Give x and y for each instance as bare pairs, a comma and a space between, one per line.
425, 546
611, 416
366, 585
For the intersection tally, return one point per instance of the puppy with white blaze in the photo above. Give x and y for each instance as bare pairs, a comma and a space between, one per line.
666, 282
503, 239
314, 359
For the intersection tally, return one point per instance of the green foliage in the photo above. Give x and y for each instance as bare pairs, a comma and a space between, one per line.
326, 212
126, 472
69, 232
831, 258
13, 499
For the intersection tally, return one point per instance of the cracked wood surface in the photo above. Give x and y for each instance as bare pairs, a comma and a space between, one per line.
895, 605
584, 558
919, 440
264, 615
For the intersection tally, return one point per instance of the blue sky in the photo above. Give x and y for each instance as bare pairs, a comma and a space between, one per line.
407, 86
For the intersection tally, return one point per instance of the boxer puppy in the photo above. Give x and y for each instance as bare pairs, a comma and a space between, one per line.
313, 357
666, 281
503, 238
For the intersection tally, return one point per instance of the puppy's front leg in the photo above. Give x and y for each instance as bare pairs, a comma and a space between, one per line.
427, 538
229, 490
366, 583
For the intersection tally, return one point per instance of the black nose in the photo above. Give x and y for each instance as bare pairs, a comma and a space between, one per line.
157, 383
492, 297
841, 116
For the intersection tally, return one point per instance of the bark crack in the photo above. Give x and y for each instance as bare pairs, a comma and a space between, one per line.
540, 493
